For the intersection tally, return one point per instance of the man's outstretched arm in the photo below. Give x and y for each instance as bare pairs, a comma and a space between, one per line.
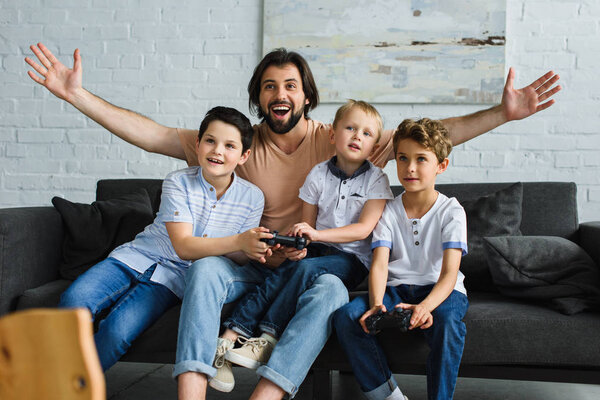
516, 104
66, 84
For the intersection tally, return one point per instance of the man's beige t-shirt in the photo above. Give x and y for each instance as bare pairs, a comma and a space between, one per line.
280, 175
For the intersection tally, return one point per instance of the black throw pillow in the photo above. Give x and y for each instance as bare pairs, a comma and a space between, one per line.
92, 231
497, 214
549, 269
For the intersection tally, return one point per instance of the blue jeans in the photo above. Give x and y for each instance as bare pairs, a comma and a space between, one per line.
274, 302
210, 283
134, 301
214, 281
446, 339
306, 334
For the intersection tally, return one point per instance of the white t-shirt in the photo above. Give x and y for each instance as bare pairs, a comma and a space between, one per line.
417, 245
340, 199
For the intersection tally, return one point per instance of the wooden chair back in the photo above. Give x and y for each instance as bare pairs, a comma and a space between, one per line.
49, 354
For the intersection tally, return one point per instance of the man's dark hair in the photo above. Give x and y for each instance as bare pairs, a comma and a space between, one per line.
229, 116
280, 57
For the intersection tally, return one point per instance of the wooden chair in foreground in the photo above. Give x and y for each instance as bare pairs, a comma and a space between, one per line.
49, 354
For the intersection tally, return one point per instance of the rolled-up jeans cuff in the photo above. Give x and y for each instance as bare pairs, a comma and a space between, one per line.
193, 366
237, 328
270, 329
383, 391
278, 379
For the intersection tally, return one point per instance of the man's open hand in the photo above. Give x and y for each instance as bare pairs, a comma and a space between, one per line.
61, 81
521, 103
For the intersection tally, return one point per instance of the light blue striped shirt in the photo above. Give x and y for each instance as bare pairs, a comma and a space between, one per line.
188, 197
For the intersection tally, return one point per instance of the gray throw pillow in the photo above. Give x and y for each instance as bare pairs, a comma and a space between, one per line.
497, 214
549, 269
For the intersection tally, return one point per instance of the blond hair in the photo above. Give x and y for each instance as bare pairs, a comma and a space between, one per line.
429, 133
364, 107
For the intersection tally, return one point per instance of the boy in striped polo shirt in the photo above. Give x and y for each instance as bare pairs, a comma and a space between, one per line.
206, 210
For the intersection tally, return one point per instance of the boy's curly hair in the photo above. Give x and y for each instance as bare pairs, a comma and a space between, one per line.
429, 133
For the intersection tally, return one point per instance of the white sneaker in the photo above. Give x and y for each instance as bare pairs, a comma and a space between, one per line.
223, 381
254, 351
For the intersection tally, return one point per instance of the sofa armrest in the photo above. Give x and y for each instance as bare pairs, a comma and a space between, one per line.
589, 238
30, 250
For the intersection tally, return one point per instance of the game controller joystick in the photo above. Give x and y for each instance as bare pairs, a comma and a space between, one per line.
392, 319
290, 241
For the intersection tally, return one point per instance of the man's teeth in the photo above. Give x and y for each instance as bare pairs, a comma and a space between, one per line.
281, 108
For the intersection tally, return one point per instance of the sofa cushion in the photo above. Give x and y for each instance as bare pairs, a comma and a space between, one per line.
497, 214
550, 269
45, 296
506, 331
92, 231
501, 331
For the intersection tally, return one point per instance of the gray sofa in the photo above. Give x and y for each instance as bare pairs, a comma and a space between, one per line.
507, 337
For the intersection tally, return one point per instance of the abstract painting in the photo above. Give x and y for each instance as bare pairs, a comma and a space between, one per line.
392, 51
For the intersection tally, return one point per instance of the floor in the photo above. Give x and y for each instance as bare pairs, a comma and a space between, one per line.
133, 381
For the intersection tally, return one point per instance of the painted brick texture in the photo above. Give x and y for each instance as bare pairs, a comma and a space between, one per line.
172, 60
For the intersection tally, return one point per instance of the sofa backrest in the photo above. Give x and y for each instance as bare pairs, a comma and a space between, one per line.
549, 208
112, 188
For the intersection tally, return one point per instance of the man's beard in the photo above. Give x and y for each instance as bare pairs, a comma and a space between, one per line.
282, 127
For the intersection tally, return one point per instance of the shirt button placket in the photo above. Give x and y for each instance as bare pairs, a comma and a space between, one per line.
212, 207
416, 228
343, 193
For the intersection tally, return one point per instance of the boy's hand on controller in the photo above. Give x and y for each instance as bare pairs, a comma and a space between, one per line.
251, 245
291, 253
421, 316
373, 310
305, 230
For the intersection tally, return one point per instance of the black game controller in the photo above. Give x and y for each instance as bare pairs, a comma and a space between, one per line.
392, 319
290, 241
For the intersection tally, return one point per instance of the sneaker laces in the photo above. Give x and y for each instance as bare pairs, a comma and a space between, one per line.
256, 344
220, 356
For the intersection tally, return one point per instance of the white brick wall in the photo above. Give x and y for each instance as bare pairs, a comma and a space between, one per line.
172, 60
